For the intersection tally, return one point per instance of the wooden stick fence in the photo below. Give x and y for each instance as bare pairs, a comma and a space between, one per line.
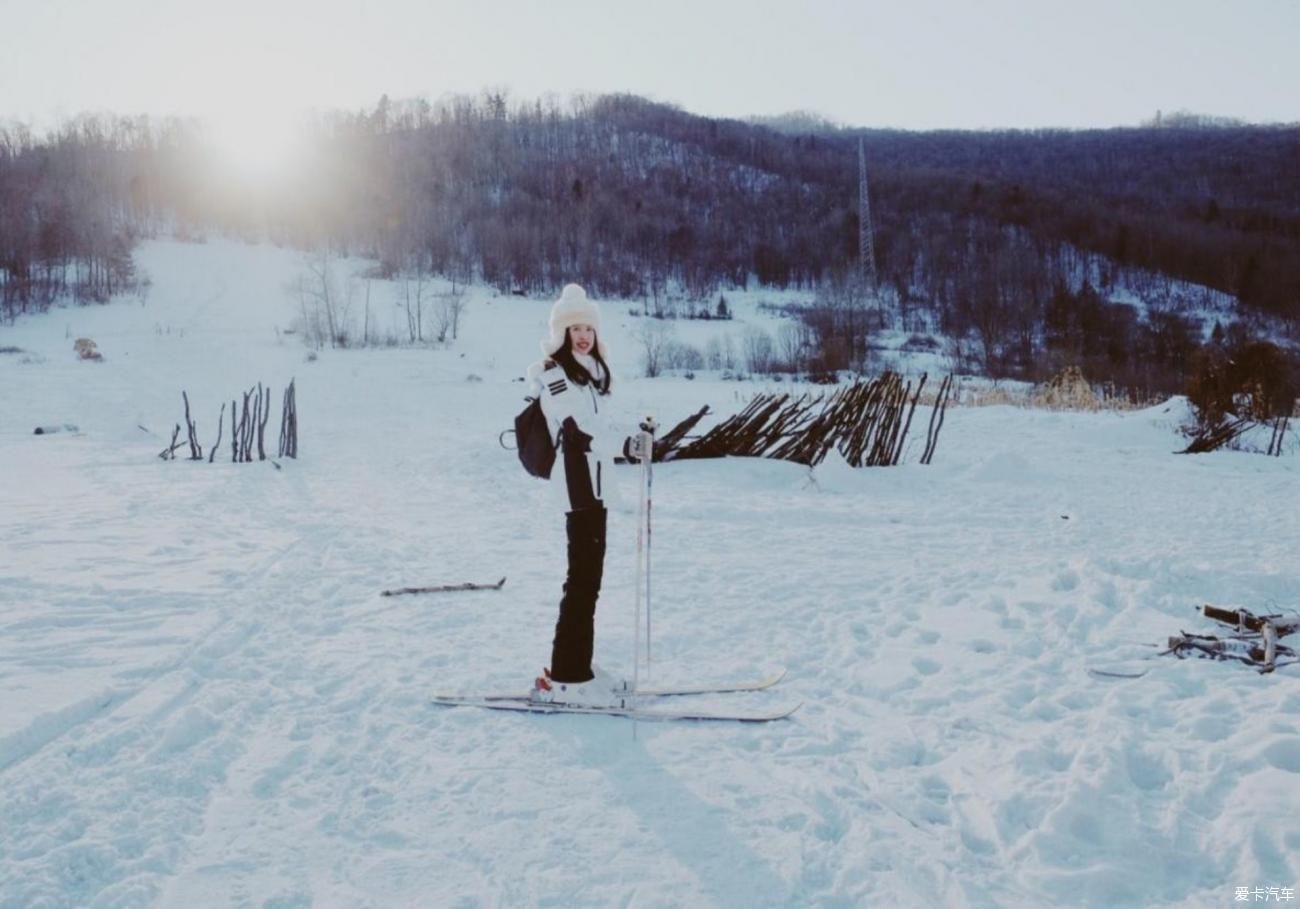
289, 424
248, 432
867, 422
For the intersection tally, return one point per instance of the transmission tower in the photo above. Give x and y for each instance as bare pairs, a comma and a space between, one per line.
866, 240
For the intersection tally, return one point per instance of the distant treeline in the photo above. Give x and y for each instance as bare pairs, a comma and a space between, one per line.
976, 233
67, 219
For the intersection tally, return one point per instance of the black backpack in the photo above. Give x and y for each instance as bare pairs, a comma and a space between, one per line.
533, 442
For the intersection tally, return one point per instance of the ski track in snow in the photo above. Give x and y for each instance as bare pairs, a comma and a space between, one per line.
208, 704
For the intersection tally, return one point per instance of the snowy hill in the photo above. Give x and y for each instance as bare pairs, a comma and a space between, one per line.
207, 703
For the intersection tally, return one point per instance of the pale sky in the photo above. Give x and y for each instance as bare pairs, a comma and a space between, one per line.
917, 64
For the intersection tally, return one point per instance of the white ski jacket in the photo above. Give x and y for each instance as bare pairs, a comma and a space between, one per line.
593, 412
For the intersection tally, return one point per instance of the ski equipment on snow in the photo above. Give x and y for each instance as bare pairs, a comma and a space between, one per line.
1255, 641
630, 711
443, 588
717, 688
629, 704
728, 687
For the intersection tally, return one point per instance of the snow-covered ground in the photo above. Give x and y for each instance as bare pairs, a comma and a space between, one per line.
204, 701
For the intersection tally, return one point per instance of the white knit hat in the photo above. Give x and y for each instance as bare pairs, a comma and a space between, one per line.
573, 308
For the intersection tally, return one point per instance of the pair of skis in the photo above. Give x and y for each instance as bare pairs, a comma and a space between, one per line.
632, 704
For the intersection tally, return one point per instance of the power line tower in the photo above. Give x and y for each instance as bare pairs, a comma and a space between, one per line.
866, 239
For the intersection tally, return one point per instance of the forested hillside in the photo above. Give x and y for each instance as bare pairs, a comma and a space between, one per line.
1012, 239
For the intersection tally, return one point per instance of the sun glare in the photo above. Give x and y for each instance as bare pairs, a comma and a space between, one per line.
256, 147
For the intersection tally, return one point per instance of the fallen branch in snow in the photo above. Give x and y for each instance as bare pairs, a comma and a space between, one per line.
446, 588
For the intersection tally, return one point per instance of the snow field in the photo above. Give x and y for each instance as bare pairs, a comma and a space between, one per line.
206, 702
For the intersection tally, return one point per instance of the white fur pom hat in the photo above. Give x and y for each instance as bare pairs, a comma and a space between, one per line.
573, 308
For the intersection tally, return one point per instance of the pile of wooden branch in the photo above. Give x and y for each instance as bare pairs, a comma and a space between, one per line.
249, 432
1216, 437
867, 422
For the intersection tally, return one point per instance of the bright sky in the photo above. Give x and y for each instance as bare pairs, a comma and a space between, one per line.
905, 63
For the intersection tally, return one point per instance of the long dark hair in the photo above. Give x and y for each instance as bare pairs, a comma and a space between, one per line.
576, 372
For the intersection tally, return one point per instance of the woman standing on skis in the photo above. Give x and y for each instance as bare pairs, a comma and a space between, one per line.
573, 383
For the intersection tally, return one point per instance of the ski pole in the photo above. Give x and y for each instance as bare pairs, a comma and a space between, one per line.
643, 553
649, 427
640, 576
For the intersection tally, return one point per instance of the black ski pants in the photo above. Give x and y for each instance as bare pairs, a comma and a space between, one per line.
575, 630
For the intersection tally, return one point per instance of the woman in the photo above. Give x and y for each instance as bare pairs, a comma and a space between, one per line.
573, 384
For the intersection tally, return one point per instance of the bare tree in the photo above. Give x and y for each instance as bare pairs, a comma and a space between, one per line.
794, 339
414, 291
654, 337
713, 354
457, 310
839, 325
324, 308
728, 353
447, 310
760, 352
